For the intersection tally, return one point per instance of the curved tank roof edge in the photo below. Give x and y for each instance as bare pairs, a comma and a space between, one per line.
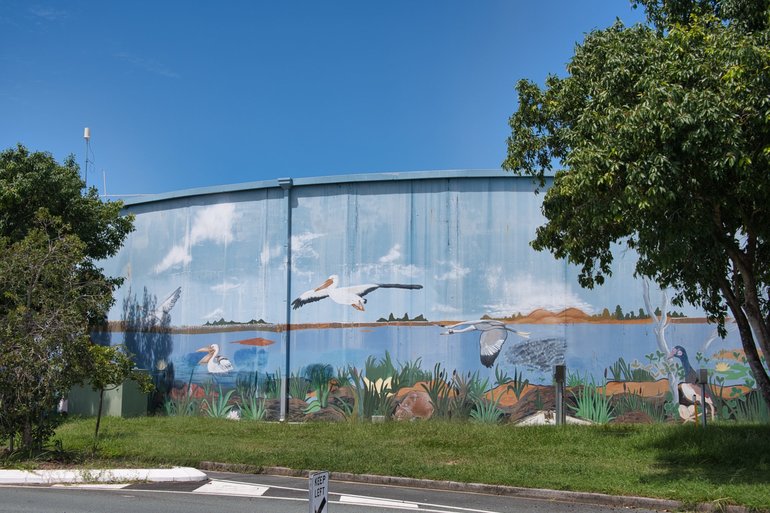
322, 180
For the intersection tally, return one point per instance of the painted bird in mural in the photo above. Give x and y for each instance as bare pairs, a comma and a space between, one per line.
493, 336
165, 307
353, 295
689, 389
215, 363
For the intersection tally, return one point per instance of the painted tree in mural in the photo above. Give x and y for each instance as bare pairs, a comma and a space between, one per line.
663, 135
52, 232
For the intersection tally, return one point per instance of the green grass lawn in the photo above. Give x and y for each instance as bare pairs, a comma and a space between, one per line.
725, 463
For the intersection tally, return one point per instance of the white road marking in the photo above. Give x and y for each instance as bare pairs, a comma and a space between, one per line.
373, 501
92, 486
217, 487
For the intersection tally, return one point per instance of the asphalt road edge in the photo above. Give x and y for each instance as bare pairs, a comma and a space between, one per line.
511, 491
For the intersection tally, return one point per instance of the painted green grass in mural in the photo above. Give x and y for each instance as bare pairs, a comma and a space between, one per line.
727, 463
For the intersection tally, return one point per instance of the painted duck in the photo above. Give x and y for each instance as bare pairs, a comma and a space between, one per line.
690, 389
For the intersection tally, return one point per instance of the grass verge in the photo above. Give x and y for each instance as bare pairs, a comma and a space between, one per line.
724, 464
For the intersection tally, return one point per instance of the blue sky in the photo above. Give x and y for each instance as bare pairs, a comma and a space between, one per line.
190, 94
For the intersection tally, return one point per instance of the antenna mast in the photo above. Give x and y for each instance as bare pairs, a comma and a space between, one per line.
87, 137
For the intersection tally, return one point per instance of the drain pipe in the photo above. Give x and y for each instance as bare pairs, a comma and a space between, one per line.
286, 184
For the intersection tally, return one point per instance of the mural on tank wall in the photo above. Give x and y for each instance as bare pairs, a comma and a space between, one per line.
384, 276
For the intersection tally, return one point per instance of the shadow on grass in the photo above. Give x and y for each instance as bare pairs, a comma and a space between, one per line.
720, 454
50, 457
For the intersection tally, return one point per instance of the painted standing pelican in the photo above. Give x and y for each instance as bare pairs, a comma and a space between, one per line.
353, 296
493, 336
215, 363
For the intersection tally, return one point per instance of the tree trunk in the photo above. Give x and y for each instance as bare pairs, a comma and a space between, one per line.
26, 435
747, 340
755, 363
98, 416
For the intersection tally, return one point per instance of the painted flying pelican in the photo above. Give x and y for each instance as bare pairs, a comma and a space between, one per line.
165, 307
353, 296
493, 335
214, 363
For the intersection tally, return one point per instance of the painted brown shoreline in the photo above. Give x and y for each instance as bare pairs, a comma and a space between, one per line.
568, 316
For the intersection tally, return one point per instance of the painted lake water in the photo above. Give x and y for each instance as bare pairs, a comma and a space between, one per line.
589, 349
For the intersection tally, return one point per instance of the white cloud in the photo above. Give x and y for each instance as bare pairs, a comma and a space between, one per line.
455, 272
389, 272
214, 223
215, 314
393, 255
524, 294
179, 255
410, 271
301, 247
268, 253
448, 309
224, 287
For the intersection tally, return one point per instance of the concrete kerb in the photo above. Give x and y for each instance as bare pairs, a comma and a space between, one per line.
125, 475
510, 491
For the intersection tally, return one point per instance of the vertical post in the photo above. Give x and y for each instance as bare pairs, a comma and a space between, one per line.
559, 377
87, 137
286, 184
703, 378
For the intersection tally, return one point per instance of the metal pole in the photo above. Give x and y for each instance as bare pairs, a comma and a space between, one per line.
87, 137
286, 184
703, 379
559, 376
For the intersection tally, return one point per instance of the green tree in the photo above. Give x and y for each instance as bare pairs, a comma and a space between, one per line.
109, 367
44, 332
662, 134
618, 313
31, 181
52, 234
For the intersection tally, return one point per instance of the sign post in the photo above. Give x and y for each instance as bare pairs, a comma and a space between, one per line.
318, 492
559, 377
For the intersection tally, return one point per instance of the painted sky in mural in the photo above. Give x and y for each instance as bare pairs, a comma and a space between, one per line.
465, 242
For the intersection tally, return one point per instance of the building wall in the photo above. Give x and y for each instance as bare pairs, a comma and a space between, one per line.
244, 253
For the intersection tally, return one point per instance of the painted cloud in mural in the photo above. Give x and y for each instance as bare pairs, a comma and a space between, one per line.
225, 287
444, 309
525, 293
454, 271
269, 253
393, 255
217, 313
213, 223
301, 246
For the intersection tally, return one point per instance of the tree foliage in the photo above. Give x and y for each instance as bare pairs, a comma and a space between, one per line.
44, 333
662, 133
52, 292
109, 367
